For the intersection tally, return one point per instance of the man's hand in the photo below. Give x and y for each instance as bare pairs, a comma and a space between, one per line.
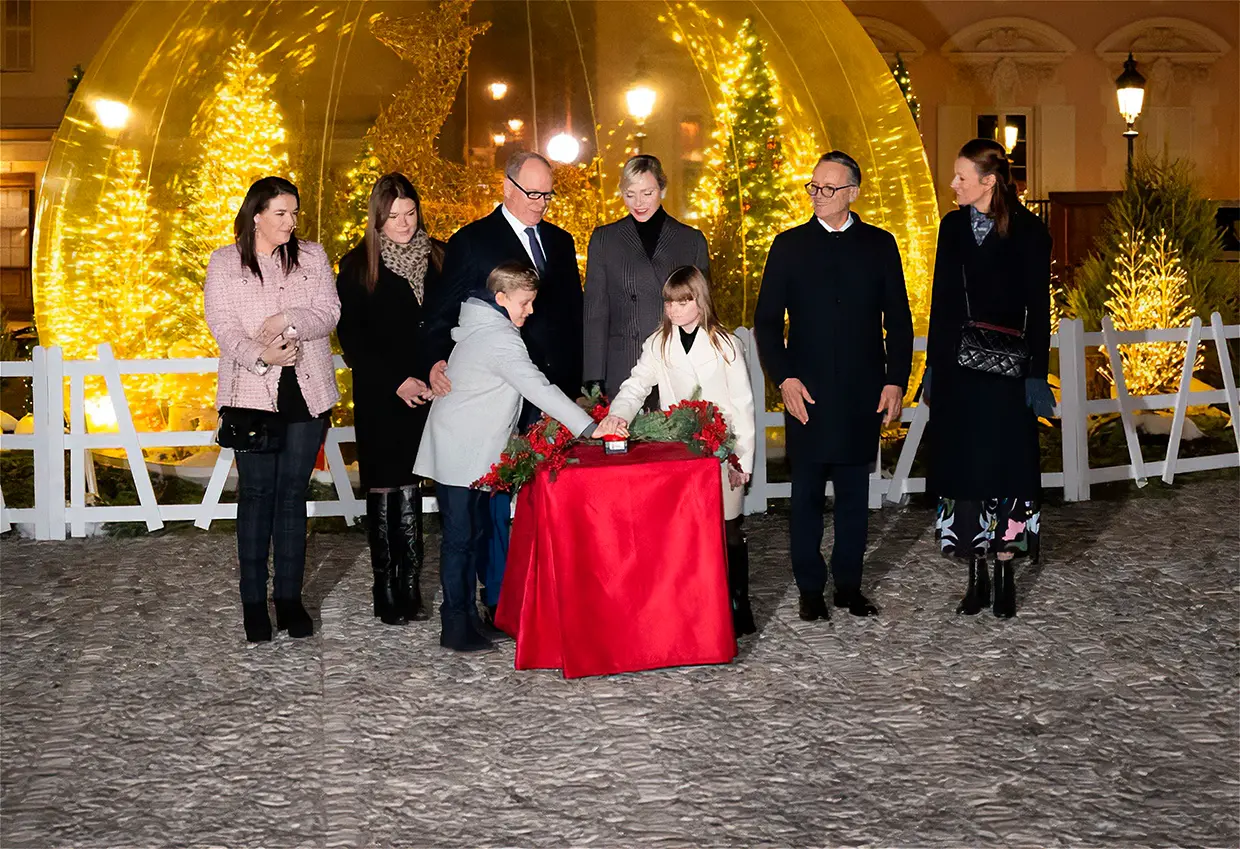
795, 399
440, 384
413, 391
891, 404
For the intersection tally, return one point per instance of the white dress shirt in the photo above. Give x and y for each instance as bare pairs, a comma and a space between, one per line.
827, 226
519, 229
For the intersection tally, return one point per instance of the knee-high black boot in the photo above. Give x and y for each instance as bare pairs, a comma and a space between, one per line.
1005, 589
407, 543
383, 554
977, 595
738, 581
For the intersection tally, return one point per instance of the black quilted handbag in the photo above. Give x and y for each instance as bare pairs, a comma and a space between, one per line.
249, 431
990, 348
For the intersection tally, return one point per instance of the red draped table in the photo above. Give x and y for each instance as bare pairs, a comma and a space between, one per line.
618, 564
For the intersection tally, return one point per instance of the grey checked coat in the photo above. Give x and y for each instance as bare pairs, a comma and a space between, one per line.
624, 292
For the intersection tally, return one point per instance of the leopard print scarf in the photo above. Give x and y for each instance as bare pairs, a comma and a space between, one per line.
409, 260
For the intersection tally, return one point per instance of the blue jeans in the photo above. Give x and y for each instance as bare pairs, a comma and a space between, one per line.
466, 520
271, 507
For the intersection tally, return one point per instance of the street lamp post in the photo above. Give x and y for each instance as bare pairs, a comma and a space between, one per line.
640, 99
1130, 92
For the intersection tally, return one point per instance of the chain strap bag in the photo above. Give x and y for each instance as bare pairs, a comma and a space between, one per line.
249, 431
990, 348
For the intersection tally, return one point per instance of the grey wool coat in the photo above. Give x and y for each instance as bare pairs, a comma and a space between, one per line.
624, 292
491, 371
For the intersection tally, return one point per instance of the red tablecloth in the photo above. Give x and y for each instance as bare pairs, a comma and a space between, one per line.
619, 565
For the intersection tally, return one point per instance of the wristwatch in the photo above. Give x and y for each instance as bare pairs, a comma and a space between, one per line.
262, 365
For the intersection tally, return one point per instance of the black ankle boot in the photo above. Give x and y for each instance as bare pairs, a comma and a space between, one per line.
291, 616
382, 511
977, 595
257, 622
406, 540
1005, 590
738, 589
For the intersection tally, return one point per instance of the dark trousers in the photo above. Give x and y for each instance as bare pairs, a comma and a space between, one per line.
271, 507
809, 483
491, 568
465, 515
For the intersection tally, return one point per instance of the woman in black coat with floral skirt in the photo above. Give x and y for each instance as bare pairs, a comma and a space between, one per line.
383, 284
984, 455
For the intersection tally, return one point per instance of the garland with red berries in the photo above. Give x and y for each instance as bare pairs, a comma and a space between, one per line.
545, 445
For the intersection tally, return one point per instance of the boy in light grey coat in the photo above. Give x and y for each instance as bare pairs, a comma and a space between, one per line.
467, 430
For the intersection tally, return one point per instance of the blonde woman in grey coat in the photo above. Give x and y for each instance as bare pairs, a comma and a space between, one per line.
629, 260
467, 430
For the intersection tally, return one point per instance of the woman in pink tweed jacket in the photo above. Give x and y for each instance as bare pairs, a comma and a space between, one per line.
271, 304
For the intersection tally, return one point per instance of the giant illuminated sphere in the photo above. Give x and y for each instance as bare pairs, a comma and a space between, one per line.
188, 102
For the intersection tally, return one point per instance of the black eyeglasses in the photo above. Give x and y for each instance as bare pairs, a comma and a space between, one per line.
547, 196
828, 191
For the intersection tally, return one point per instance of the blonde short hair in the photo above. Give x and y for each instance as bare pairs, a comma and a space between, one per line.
643, 163
508, 277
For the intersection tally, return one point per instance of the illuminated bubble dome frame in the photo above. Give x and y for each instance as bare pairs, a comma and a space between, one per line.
188, 102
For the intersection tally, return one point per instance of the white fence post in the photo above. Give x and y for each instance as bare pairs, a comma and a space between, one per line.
755, 498
1229, 379
1181, 400
1127, 414
129, 438
54, 418
44, 479
1074, 422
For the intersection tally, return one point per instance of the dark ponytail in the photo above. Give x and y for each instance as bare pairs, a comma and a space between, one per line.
990, 159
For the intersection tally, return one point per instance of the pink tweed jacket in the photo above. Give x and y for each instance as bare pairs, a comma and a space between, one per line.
237, 304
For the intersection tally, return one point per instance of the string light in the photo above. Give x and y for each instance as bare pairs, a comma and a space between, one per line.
754, 166
1148, 288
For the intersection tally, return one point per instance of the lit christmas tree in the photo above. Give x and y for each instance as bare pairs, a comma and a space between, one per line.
119, 265
242, 135
1148, 289
748, 192
900, 72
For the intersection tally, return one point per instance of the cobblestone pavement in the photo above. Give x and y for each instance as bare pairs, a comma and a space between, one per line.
1106, 714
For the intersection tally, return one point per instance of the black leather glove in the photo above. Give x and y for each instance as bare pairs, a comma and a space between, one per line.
1039, 398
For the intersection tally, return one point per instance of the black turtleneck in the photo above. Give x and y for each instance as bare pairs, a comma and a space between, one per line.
687, 337
648, 230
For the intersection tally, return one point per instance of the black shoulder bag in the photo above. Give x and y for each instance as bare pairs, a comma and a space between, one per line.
990, 348
249, 431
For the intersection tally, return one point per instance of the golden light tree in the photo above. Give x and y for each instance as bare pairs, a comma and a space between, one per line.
242, 138
119, 264
750, 190
1149, 289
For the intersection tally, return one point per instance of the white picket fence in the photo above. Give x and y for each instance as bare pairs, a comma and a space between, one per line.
53, 516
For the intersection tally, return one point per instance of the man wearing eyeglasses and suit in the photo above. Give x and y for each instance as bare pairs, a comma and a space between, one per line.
552, 334
516, 231
841, 284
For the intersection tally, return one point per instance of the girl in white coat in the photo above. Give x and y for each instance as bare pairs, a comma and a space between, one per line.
691, 349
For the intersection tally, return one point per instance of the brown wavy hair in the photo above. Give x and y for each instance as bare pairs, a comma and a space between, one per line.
990, 160
688, 283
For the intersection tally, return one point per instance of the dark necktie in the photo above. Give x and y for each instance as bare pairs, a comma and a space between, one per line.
540, 261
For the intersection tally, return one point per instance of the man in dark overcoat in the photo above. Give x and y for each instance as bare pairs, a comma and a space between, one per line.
841, 284
514, 231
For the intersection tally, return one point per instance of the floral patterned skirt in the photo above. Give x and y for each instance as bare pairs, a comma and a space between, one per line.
972, 528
